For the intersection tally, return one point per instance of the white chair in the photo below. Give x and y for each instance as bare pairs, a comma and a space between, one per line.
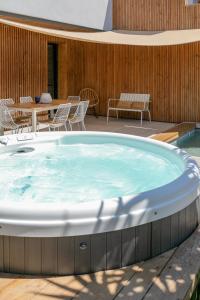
73, 99
60, 118
79, 116
28, 99
8, 101
7, 122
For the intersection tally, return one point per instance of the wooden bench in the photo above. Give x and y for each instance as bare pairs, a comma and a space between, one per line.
130, 102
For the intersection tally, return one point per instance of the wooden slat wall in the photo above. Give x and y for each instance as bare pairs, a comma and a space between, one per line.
23, 62
155, 15
171, 74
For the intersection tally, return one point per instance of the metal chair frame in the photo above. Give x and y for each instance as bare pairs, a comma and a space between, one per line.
79, 116
7, 122
60, 119
6, 101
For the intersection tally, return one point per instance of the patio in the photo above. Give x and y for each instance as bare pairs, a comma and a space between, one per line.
125, 126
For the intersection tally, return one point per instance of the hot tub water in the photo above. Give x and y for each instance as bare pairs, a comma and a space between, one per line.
77, 172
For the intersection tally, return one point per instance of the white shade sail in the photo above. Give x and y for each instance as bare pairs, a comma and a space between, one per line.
165, 38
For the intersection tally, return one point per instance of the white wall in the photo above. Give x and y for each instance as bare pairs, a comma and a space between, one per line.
88, 13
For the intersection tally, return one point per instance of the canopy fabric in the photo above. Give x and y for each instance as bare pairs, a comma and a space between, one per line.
164, 38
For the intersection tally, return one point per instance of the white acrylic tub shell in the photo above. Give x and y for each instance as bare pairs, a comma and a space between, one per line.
52, 220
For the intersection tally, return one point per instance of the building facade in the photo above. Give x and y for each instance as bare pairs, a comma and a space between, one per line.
170, 73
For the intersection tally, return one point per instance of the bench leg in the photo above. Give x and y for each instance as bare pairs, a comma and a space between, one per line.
149, 116
108, 115
117, 114
141, 117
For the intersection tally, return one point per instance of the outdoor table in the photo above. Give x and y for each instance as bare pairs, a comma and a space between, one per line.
37, 108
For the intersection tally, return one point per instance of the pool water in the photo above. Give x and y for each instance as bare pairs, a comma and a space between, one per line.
190, 143
73, 173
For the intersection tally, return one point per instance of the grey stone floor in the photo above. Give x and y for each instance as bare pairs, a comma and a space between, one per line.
126, 126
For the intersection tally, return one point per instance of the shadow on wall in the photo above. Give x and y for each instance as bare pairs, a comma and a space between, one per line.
108, 24
140, 33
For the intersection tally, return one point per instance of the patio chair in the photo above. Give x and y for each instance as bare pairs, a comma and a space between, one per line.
7, 101
79, 116
60, 118
29, 99
91, 95
7, 122
72, 99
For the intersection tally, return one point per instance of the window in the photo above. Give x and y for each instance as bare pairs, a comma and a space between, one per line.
191, 2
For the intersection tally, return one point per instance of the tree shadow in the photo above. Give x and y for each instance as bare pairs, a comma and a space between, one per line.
174, 273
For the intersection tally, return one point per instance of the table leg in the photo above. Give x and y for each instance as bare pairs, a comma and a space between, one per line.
52, 114
34, 121
1, 131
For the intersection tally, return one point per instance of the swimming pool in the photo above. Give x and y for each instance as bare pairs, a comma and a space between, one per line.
190, 142
74, 203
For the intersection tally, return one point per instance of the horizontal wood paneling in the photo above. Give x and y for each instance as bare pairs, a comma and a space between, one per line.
155, 15
171, 74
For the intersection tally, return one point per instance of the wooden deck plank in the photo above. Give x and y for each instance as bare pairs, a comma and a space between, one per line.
66, 287
106, 285
178, 279
28, 287
176, 132
140, 283
7, 280
21, 288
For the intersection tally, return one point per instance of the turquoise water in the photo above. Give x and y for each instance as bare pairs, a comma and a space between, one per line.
190, 143
75, 173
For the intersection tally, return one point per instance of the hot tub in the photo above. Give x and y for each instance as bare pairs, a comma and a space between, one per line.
74, 203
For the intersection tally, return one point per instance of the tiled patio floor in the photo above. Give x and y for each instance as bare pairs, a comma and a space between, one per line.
127, 126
